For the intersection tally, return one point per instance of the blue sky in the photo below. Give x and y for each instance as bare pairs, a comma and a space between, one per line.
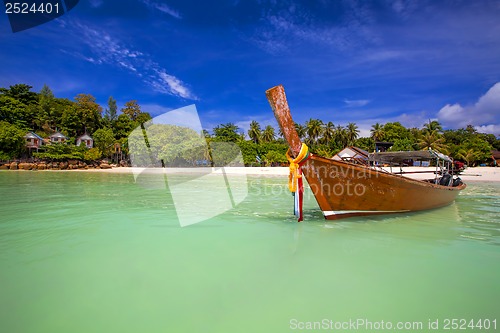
340, 61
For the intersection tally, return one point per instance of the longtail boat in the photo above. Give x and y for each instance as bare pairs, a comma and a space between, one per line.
353, 188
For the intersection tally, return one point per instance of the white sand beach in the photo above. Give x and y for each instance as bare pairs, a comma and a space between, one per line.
481, 174
477, 174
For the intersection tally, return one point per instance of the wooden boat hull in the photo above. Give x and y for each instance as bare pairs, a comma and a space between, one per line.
346, 190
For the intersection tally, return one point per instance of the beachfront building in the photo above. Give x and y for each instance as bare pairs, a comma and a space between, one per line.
352, 154
495, 155
86, 140
118, 154
33, 141
58, 137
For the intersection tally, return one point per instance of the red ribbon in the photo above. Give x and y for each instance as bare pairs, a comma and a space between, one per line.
300, 189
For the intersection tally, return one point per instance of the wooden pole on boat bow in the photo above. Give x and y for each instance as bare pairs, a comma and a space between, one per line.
277, 99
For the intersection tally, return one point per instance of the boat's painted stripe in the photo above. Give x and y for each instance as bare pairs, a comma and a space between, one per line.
340, 212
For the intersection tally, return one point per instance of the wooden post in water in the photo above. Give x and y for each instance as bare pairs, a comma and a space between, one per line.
277, 99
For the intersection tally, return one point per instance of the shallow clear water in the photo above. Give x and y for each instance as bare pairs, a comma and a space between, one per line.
94, 252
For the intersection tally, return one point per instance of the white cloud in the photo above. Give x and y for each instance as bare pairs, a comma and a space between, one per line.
413, 120
489, 104
164, 8
454, 114
493, 129
484, 114
175, 85
356, 103
102, 48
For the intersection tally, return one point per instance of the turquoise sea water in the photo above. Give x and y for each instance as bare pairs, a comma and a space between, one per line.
94, 252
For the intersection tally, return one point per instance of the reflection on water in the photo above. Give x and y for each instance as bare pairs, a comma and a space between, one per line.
479, 211
473, 215
90, 252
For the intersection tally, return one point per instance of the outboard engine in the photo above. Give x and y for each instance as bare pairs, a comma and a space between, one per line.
457, 182
446, 180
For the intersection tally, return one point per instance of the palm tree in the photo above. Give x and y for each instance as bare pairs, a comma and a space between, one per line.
341, 135
301, 130
328, 132
431, 140
352, 133
268, 134
433, 126
415, 135
280, 133
314, 129
206, 134
468, 155
254, 132
377, 132
471, 129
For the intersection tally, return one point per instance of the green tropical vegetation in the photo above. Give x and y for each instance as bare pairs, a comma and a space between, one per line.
22, 110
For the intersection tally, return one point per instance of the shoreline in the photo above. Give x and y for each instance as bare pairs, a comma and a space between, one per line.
475, 174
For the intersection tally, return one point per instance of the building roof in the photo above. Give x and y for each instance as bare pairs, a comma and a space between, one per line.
32, 135
351, 152
399, 156
495, 154
84, 137
58, 135
360, 151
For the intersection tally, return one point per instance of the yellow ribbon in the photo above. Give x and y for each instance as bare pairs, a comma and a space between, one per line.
294, 167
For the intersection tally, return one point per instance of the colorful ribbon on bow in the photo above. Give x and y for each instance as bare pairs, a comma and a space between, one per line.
295, 183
